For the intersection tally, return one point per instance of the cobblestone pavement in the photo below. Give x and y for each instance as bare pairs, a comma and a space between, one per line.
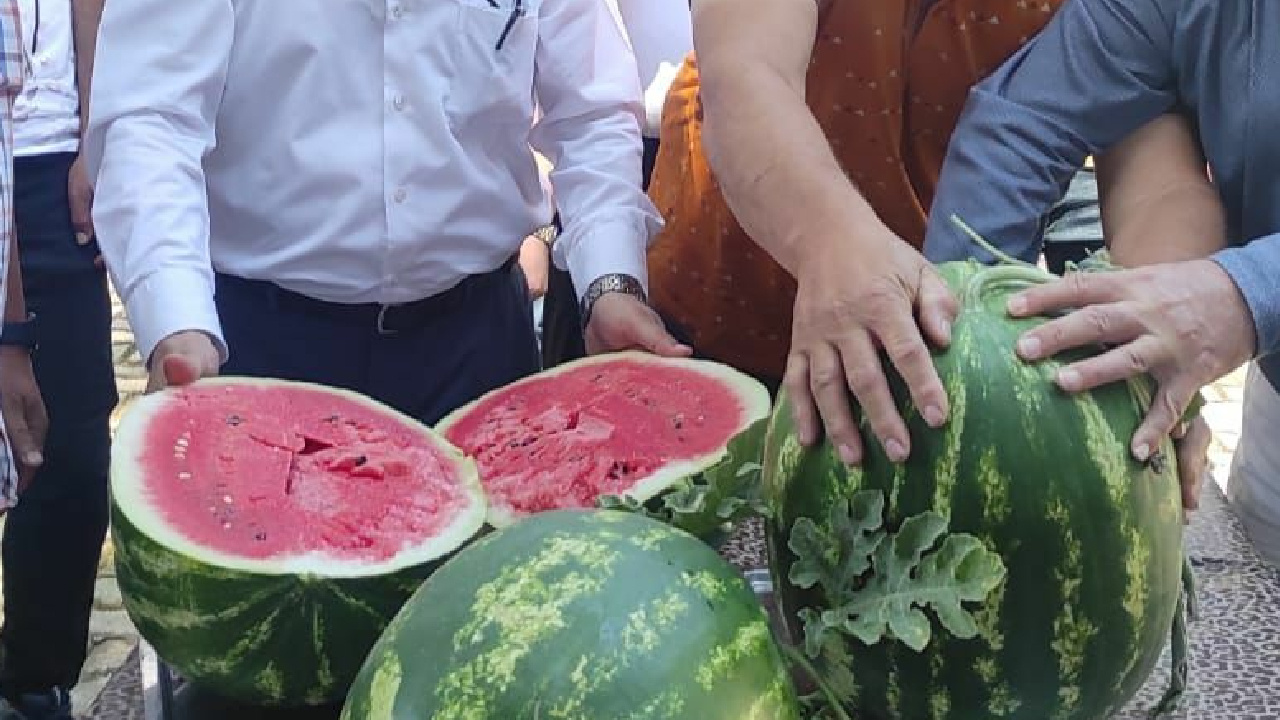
113, 636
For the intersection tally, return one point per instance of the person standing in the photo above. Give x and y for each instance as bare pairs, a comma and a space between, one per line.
53, 538
1195, 310
357, 220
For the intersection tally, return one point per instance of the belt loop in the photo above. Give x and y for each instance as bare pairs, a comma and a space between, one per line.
382, 321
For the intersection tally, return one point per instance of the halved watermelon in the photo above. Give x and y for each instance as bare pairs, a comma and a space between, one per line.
680, 435
266, 531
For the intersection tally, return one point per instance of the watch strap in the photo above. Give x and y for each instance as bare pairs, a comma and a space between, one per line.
20, 333
612, 283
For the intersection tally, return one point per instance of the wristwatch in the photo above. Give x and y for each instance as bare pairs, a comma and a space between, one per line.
547, 234
20, 333
605, 284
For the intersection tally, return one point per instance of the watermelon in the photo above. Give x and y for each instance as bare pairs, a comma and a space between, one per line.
267, 531
579, 615
1020, 564
674, 437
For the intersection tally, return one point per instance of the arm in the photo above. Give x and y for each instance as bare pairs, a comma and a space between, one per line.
1098, 71
774, 164
158, 82
661, 33
86, 15
1158, 204
589, 131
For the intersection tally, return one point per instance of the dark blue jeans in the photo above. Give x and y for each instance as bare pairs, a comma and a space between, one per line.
53, 538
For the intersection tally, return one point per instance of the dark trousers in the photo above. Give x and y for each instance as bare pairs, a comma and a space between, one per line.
460, 344
53, 538
562, 339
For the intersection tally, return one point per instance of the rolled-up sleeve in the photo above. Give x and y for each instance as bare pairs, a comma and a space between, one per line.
158, 79
593, 106
1100, 70
1255, 269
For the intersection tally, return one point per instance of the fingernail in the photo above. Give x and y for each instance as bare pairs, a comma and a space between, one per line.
847, 455
1017, 305
946, 329
1142, 452
1029, 347
895, 450
82, 238
934, 416
33, 458
1069, 379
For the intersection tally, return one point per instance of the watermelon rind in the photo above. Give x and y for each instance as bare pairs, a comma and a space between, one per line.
579, 615
282, 631
1089, 538
704, 495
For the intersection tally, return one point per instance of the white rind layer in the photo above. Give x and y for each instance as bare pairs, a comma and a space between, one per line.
129, 494
753, 396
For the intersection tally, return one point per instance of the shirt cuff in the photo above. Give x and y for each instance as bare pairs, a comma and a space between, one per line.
1254, 269
170, 301
607, 248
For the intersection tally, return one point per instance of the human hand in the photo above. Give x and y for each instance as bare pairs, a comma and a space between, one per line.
181, 359
1183, 323
1191, 441
535, 262
854, 299
25, 418
80, 197
622, 322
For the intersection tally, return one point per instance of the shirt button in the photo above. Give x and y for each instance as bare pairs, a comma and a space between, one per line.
400, 195
398, 102
396, 12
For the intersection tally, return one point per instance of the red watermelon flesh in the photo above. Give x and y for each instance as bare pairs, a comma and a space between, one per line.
625, 423
266, 470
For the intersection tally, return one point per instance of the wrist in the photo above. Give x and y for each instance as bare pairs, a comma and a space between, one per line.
613, 283
19, 334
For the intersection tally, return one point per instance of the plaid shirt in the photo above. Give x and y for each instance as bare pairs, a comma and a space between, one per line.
13, 70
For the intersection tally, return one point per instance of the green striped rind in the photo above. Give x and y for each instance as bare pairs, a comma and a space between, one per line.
1091, 539
265, 639
579, 615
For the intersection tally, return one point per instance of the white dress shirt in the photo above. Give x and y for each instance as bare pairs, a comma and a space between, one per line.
661, 36
46, 115
356, 150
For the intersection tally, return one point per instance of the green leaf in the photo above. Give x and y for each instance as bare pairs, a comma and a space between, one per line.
878, 585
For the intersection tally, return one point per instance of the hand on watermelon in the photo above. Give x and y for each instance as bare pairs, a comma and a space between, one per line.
621, 322
1184, 323
853, 304
181, 359
25, 419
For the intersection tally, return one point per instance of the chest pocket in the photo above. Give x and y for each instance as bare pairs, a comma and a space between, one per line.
493, 48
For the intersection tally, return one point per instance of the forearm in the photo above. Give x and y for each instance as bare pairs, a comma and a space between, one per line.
158, 85
86, 15
773, 162
1157, 202
589, 132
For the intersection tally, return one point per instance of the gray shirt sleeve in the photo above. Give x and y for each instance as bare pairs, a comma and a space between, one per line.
1255, 269
1099, 70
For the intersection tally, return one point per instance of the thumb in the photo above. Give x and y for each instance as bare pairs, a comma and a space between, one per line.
179, 370
651, 334
23, 441
937, 308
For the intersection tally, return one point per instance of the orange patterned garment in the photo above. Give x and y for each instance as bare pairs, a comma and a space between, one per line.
888, 103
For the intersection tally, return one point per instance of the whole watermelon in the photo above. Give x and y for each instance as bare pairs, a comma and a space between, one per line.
1020, 564
579, 615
